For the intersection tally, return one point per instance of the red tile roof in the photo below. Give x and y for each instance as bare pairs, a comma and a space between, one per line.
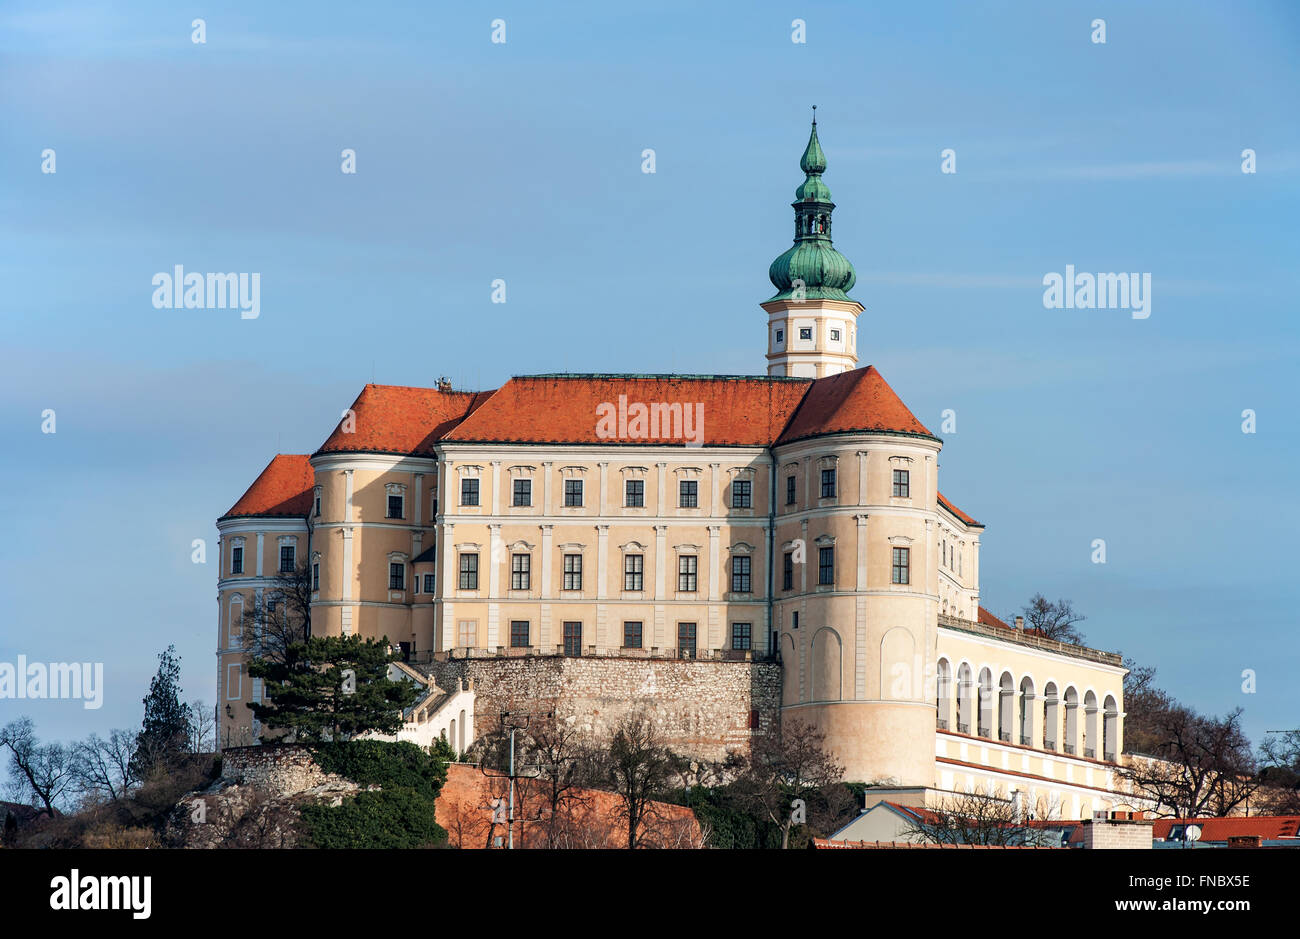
823, 843
567, 409
988, 619
855, 401
284, 488
1221, 829
958, 512
397, 419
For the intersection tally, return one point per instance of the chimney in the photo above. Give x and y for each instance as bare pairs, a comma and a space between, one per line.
1020, 623
444, 383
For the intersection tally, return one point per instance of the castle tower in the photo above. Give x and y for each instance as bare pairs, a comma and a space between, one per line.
812, 322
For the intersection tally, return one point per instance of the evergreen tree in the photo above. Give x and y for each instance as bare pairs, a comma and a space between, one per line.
331, 688
165, 732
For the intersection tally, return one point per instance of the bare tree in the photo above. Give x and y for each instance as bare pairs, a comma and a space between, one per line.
638, 768
282, 620
788, 763
102, 766
1197, 766
1144, 704
974, 818
1054, 620
203, 728
561, 755
39, 771
1279, 757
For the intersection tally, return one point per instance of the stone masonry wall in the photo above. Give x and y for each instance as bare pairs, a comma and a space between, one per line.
279, 770
703, 709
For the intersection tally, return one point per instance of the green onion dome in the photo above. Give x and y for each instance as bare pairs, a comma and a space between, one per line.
824, 273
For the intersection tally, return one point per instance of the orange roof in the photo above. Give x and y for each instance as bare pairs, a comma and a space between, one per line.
1221, 829
855, 401
988, 619
595, 409
284, 488
958, 512
925, 845
397, 419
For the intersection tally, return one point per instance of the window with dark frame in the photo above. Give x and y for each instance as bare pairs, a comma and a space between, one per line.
828, 484
520, 571
632, 634
787, 571
519, 634
780, 335
469, 492
430, 583
316, 506
835, 335
572, 638
805, 332
826, 565
741, 636
634, 493
573, 492
687, 566
396, 575
789, 490
740, 574
396, 506
902, 564
794, 620
288, 558
634, 572
688, 494
742, 494
686, 640
237, 560
523, 493
315, 575
902, 484
573, 572
469, 572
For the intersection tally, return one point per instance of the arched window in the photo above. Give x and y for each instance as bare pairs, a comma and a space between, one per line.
1006, 706
965, 689
943, 695
1071, 721
1051, 717
986, 703
1090, 725
1026, 712
1110, 729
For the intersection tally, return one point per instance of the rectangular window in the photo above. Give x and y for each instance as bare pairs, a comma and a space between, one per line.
741, 635
825, 565
315, 576
686, 571
573, 492
572, 638
632, 635
688, 494
686, 640
316, 506
902, 562
634, 572
740, 574
742, 494
794, 620
634, 493
835, 335
469, 572
787, 571
828, 484
523, 495
519, 634
396, 575
469, 492
805, 332
430, 582
288, 559
573, 572
396, 508
902, 484
237, 560
789, 490
468, 633
520, 569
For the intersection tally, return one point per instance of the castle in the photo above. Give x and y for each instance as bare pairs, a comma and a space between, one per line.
719, 551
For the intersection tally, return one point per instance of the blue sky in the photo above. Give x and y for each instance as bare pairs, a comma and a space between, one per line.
522, 161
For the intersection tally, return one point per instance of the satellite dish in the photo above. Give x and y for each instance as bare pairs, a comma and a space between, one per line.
1193, 833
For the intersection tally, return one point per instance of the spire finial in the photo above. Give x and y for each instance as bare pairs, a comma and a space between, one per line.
814, 115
